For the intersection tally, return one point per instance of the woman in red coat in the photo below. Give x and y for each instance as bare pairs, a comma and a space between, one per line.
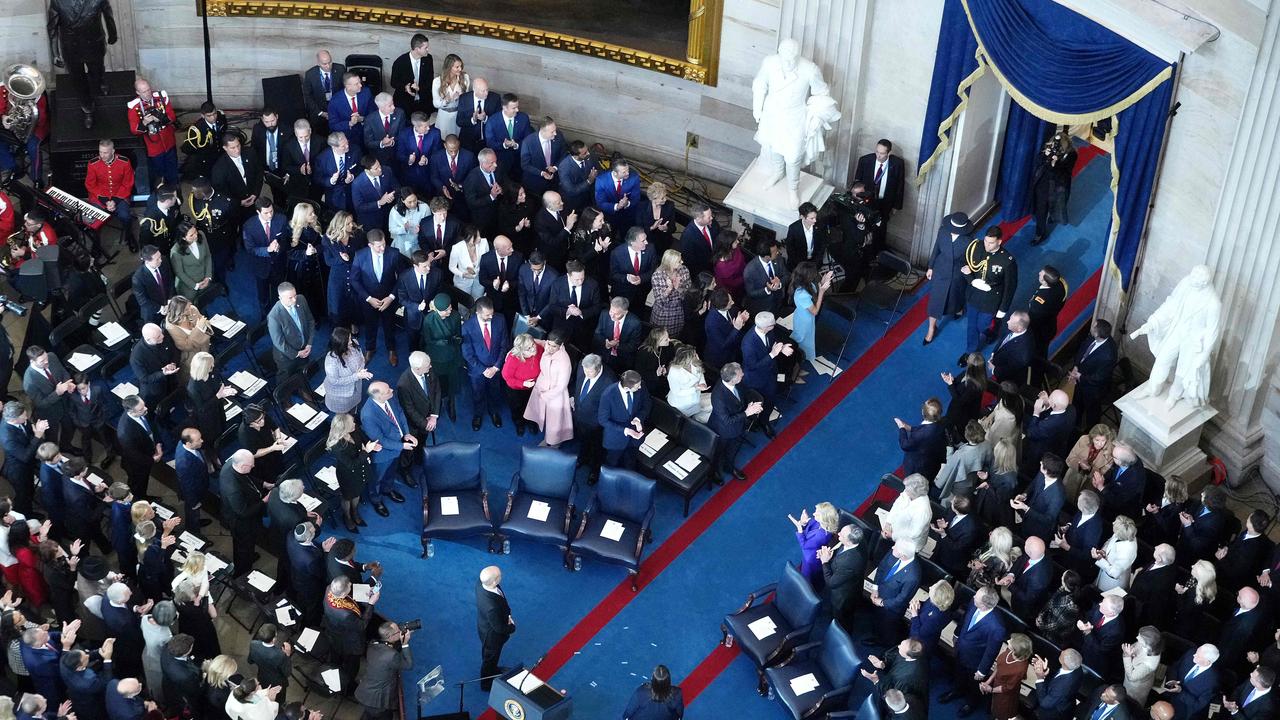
520, 372
1006, 677
30, 580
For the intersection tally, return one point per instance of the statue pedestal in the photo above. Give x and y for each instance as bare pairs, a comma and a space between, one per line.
1167, 439
770, 206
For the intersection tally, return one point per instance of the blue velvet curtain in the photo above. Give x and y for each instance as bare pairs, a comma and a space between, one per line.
1023, 137
1061, 68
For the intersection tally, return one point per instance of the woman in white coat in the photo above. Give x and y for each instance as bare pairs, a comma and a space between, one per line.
687, 382
1115, 559
464, 262
910, 514
1141, 658
249, 701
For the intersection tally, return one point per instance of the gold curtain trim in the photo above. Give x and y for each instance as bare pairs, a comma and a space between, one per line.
944, 127
1110, 260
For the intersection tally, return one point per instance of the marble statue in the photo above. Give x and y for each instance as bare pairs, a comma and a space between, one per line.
1183, 333
792, 104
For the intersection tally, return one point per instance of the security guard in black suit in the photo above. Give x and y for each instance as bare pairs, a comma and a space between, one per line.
992, 276
1044, 307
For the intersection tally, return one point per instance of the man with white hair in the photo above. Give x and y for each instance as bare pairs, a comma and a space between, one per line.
1012, 356
979, 635
382, 127
122, 620
730, 413
589, 384
1153, 585
1104, 631
154, 362
242, 503
384, 421
1192, 683
1122, 487
1051, 427
760, 351
896, 581
904, 707
493, 622
284, 507
34, 706
911, 512
1054, 696
419, 393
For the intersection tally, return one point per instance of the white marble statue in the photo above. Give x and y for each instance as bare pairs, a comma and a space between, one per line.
1183, 333
791, 102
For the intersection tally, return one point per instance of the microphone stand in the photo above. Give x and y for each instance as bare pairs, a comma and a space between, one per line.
462, 687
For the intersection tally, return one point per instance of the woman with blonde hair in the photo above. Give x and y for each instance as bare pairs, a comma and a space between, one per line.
687, 384
1005, 419
995, 560
657, 216
910, 514
813, 533
929, 618
221, 674
190, 331
302, 261
1006, 677
351, 450
1115, 559
1194, 600
342, 240
670, 284
520, 373
1162, 523
206, 393
446, 89
997, 486
1090, 454
549, 405
193, 569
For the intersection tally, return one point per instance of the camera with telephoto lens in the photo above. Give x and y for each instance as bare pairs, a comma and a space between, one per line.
411, 626
14, 307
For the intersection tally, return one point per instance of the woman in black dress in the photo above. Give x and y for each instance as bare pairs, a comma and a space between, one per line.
652, 360
1057, 620
657, 217
302, 263
205, 393
259, 435
515, 218
350, 449
590, 244
657, 699
194, 619
966, 394
221, 674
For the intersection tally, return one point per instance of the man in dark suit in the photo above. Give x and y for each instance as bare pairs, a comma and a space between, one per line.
1050, 428
844, 567
415, 289
182, 680
124, 700
924, 447
1253, 699
307, 571
481, 189
885, 174
1203, 526
1192, 683
335, 169
298, 154
415, 145
553, 225
269, 140
590, 381
1031, 580
980, 631
87, 413
533, 287
86, 680
1152, 587
1107, 702
493, 622
238, 176
419, 393
956, 536
266, 243
903, 668
1247, 629
1054, 697
154, 362
896, 580
152, 284
41, 653
345, 622
475, 107
193, 476
273, 657
449, 168
373, 194
760, 350
539, 153
319, 83
139, 445
439, 233
242, 505
724, 328
698, 241
374, 273
617, 195
631, 267
503, 134
385, 659
383, 128
806, 239
1122, 487
499, 274
1041, 505
1013, 354
765, 278
1077, 540
618, 335
292, 328
730, 414
1094, 364
1104, 631
485, 343
577, 175
411, 75
574, 305
623, 414
383, 420
349, 108
1245, 558
49, 388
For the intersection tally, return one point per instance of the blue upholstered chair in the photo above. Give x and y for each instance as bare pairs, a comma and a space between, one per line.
454, 476
701, 439
545, 477
833, 663
625, 498
790, 604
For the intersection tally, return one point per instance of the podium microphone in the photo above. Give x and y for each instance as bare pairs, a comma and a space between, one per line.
529, 672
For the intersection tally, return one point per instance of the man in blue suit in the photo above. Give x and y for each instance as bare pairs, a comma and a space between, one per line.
1041, 505
956, 536
631, 266
1095, 362
730, 413
1013, 354
1123, 485
1104, 631
382, 129
1050, 428
504, 132
383, 420
86, 684
698, 241
576, 173
484, 347
475, 107
1031, 580
416, 288
618, 335
335, 170
760, 350
413, 150
1192, 683
539, 153
20, 440
618, 195
624, 412
307, 569
534, 287
266, 242
152, 283
1054, 696
724, 327
373, 194
374, 273
318, 85
979, 634
125, 701
349, 108
590, 382
193, 476
1082, 536
924, 447
896, 579
42, 653
449, 168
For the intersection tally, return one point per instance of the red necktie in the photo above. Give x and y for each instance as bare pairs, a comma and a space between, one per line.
386, 122
706, 233
488, 340
879, 175
617, 335
419, 143
453, 165
266, 230
354, 109
387, 409
48, 374
440, 235
635, 260
619, 182
1026, 566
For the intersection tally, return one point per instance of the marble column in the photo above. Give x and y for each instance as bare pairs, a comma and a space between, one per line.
1245, 256
834, 34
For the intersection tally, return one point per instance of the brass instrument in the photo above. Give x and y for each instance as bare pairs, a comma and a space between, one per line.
25, 85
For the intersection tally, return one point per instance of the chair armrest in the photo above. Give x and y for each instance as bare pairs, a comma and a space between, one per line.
582, 527
802, 650
755, 595
568, 518
826, 701
426, 506
484, 503
511, 501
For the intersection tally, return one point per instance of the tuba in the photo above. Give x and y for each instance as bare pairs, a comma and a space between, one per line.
25, 85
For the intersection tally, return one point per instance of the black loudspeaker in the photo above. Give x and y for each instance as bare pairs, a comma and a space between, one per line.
369, 68
284, 93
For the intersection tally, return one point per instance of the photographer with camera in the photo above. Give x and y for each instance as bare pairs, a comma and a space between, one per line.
1051, 183
151, 116
385, 659
862, 225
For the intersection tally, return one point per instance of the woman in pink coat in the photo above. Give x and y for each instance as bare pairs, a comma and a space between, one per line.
549, 404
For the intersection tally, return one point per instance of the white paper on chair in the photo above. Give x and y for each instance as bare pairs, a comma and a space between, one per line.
881, 514
689, 460
825, 366
788, 322
186, 539
124, 390
806, 683
869, 584
653, 442
929, 545
782, 377
763, 628
283, 616
163, 512
328, 476
307, 638
677, 471
316, 419
226, 325
449, 505
302, 413
1116, 591
612, 530
231, 410
319, 391
113, 332
261, 581
773, 416
361, 592
96, 479
213, 563
288, 442
539, 511
83, 361
309, 502
333, 679
248, 383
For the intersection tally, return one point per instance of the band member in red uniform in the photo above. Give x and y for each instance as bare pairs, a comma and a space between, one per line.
109, 181
38, 135
8, 217
151, 116
36, 233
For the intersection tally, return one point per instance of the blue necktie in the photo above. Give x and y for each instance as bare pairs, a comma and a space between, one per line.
973, 621
628, 401
293, 313
586, 389
1120, 471
1097, 714
328, 86
893, 569
1249, 698
145, 425
1191, 674
1203, 512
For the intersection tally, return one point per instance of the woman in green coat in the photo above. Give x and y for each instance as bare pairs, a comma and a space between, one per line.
192, 264
442, 335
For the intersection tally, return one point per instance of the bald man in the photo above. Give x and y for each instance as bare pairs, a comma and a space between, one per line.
1031, 580
1162, 711
384, 421
1245, 630
124, 700
318, 84
493, 621
499, 276
242, 504
1051, 426
154, 362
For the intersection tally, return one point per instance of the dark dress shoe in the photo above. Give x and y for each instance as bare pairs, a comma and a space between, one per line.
520, 429
769, 432
381, 509
717, 480
351, 527
360, 521
410, 481
926, 340
393, 358
395, 497
739, 475
205, 522
475, 423
497, 420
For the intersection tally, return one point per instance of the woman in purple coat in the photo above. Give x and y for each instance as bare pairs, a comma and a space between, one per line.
813, 533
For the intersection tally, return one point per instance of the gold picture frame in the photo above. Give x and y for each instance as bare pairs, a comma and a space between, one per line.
699, 65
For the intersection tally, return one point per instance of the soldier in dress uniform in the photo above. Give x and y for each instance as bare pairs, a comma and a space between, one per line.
992, 276
203, 142
1043, 308
151, 116
211, 213
159, 224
